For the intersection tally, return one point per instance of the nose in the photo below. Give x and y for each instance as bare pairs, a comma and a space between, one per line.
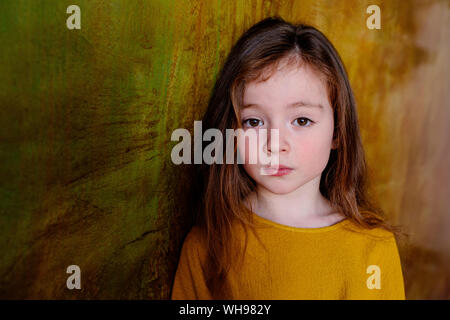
277, 141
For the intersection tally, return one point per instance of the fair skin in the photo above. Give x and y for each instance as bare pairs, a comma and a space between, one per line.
304, 145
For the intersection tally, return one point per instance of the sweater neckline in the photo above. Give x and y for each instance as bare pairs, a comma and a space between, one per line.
277, 225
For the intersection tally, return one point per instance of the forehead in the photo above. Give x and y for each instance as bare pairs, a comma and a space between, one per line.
287, 85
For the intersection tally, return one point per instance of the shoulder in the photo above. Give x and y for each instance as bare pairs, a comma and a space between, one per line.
377, 243
375, 234
194, 236
193, 242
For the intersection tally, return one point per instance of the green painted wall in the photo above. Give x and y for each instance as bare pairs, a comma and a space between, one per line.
86, 118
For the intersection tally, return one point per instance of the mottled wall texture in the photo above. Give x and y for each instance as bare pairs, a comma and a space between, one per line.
86, 118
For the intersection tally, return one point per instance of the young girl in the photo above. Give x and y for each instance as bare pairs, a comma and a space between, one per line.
314, 233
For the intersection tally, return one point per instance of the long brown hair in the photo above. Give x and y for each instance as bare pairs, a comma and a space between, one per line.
222, 188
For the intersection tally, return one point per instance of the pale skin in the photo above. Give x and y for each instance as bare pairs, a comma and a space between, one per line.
305, 142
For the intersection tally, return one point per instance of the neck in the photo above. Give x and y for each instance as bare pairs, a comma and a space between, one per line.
303, 206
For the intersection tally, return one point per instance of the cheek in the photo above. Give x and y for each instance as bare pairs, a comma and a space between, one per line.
253, 171
247, 149
248, 152
314, 151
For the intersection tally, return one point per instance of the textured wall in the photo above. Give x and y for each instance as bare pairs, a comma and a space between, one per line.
86, 117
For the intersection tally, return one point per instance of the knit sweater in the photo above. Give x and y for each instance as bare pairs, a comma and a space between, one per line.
341, 261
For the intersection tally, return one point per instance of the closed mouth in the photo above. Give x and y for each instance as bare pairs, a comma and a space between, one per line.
276, 171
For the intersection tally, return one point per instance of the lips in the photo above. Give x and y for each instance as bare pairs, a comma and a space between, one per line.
277, 171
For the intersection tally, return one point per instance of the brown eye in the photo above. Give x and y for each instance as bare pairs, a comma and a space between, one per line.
303, 122
252, 122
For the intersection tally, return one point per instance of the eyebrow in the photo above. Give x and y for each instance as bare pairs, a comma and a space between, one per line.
294, 104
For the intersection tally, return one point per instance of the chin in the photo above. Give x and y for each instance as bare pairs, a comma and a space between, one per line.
279, 187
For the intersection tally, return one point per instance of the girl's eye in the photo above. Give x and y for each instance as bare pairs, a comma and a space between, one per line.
252, 123
303, 122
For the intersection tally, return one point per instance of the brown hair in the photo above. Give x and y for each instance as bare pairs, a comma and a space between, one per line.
222, 188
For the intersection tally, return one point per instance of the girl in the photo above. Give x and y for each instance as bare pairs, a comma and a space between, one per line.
314, 233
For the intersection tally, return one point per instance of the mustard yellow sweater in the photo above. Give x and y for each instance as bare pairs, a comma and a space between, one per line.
341, 261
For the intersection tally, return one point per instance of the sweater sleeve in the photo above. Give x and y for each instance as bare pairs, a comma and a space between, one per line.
386, 257
189, 282
394, 281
